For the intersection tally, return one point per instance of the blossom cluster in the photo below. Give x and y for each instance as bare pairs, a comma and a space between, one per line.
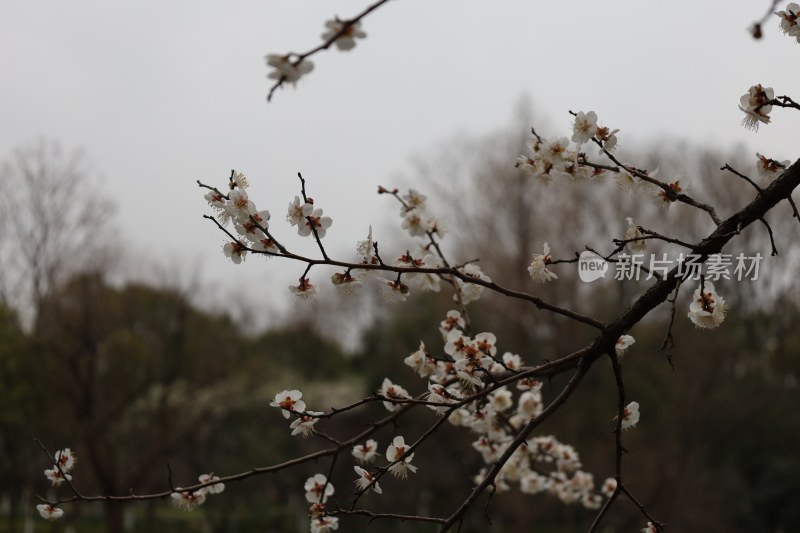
291, 67
557, 160
188, 500
64, 462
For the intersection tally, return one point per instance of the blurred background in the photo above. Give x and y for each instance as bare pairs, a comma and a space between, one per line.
126, 335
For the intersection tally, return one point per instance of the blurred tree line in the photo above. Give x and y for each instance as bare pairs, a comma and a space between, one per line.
135, 378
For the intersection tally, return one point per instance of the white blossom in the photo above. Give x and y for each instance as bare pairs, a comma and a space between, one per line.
367, 452
365, 479
324, 524
769, 169
318, 489
235, 251
289, 401
65, 459
650, 528
393, 453
789, 20
287, 70
298, 211
392, 391
608, 487
394, 291
420, 362
633, 232
188, 501
304, 424
584, 127
216, 488
304, 290
630, 415
49, 512
347, 33
538, 268
623, 343
55, 476
753, 104
314, 221
707, 309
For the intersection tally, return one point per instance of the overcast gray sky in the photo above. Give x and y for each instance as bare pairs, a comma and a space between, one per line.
163, 93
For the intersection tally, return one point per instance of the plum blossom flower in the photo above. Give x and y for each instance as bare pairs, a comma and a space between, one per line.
49, 512
453, 320
346, 34
346, 282
216, 488
789, 20
428, 281
754, 105
530, 404
500, 400
215, 200
471, 368
393, 453
238, 180
630, 415
365, 479
420, 362
650, 528
289, 401
304, 424
607, 137
366, 250
414, 200
318, 489
608, 487
584, 127
556, 150
65, 459
392, 391
438, 394
314, 221
623, 343
265, 244
239, 207
56, 477
252, 228
512, 361
188, 501
707, 309
415, 222
287, 70
469, 292
633, 232
304, 290
367, 452
486, 342
298, 211
533, 483
538, 268
394, 290
235, 251
626, 181
324, 524
663, 197
769, 169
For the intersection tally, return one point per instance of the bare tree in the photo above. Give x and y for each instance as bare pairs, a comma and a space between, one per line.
53, 222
